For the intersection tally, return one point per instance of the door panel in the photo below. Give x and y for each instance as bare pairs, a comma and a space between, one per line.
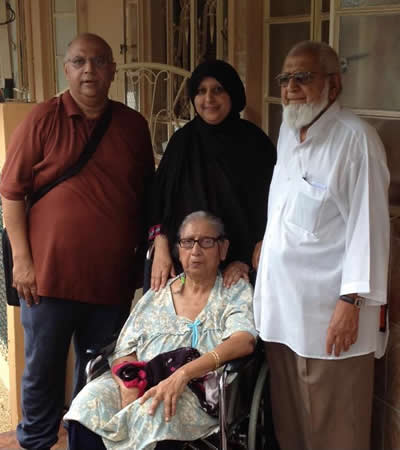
282, 38
389, 132
369, 46
363, 3
290, 8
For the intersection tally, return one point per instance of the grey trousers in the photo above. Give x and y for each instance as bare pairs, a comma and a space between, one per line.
320, 404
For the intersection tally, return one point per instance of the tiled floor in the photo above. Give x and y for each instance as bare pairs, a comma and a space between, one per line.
8, 441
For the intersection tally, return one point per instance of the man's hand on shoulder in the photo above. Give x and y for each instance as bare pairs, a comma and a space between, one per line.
343, 328
256, 255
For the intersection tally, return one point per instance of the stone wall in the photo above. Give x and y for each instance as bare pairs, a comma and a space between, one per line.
386, 413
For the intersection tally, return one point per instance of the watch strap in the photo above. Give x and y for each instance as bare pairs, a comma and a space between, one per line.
356, 301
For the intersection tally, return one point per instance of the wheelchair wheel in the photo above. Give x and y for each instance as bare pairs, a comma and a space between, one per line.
257, 440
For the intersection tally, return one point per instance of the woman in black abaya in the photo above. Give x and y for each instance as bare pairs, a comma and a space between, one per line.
219, 163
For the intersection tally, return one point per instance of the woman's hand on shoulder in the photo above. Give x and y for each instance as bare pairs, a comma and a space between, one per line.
163, 266
234, 271
167, 391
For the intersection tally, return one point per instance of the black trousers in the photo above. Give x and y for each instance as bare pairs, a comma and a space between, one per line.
48, 329
81, 438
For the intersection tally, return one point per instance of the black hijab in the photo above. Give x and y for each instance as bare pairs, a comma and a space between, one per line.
225, 169
226, 75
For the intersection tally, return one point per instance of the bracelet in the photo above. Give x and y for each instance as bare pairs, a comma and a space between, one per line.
217, 359
154, 232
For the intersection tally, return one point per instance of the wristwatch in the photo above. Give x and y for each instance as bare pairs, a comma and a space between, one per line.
356, 300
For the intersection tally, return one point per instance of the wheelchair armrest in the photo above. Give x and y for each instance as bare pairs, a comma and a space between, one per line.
98, 362
101, 349
236, 365
150, 251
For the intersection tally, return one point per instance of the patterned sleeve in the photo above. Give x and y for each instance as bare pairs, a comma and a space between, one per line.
238, 314
131, 332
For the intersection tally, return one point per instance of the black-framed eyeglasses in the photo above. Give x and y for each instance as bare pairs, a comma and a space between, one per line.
283, 79
98, 61
204, 242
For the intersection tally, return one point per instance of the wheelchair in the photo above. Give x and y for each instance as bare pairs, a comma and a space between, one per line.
245, 421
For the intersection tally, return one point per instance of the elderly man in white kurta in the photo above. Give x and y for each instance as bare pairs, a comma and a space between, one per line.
322, 272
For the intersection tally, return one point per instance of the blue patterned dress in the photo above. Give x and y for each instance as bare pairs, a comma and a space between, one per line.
153, 328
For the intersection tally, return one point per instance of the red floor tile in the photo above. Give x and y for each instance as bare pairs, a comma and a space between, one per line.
8, 441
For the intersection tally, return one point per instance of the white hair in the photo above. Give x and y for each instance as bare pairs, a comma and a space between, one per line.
327, 57
215, 221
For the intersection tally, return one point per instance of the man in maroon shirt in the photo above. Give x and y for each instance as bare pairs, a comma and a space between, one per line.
74, 255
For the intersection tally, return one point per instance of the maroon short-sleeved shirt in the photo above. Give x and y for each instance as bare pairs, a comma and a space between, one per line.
84, 232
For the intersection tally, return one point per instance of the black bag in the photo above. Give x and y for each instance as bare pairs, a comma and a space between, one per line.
162, 366
11, 292
90, 148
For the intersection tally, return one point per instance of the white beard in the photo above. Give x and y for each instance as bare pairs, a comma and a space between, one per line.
298, 116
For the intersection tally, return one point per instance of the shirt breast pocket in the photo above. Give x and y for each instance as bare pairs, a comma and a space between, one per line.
305, 211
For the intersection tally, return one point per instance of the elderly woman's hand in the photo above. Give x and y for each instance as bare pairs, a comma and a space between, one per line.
167, 391
163, 266
128, 395
234, 271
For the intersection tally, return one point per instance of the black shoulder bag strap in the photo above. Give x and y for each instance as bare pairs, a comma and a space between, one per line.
90, 147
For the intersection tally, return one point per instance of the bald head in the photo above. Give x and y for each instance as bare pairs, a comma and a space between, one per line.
89, 70
90, 37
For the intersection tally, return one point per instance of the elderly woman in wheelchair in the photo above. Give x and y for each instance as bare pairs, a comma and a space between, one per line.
193, 310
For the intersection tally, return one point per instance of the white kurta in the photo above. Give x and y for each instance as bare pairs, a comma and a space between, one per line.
327, 235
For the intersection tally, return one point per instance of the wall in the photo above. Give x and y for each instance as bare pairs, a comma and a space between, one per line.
106, 19
10, 116
42, 49
386, 413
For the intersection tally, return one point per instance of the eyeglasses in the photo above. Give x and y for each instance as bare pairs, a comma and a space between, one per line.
98, 61
283, 79
204, 242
